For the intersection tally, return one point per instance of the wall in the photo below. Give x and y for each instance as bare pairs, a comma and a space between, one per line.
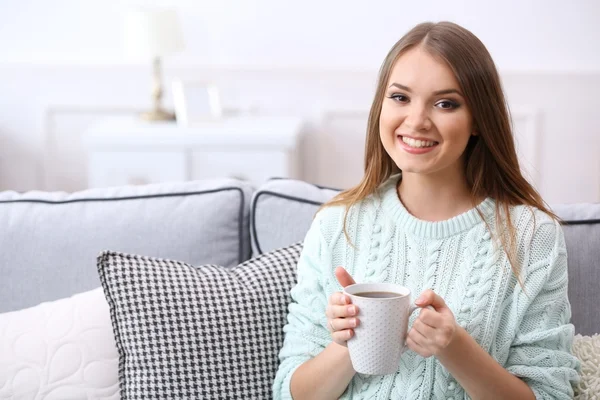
540, 35
62, 67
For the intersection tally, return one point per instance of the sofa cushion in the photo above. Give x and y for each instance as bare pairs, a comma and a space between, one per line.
282, 211
49, 241
204, 333
57, 350
582, 235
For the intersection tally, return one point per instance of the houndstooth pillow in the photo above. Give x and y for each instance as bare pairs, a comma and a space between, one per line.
205, 333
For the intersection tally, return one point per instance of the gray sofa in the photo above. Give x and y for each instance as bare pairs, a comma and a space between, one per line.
49, 241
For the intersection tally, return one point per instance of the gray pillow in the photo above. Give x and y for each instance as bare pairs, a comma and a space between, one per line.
582, 235
50, 241
282, 211
198, 333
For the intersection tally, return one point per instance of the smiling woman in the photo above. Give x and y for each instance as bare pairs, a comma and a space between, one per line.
444, 211
425, 125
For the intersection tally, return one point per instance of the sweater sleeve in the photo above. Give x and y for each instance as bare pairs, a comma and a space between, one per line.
306, 334
540, 353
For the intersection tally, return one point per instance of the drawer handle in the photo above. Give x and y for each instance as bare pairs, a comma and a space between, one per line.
239, 177
138, 180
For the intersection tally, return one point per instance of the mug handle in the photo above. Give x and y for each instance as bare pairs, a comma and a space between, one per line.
411, 310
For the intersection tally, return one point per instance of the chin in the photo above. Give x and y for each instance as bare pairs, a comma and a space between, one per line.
412, 168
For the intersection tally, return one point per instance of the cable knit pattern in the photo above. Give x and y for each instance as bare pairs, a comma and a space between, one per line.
528, 332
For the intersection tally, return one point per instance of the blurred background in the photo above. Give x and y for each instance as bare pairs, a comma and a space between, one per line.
269, 88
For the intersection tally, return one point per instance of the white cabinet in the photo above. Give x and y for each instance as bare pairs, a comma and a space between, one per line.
124, 151
252, 165
115, 168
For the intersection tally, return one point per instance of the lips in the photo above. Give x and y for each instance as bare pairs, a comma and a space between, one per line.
416, 146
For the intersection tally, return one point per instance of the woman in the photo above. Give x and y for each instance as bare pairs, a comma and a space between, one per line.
444, 210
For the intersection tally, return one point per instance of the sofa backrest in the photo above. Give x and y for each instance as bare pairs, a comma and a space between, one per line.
582, 235
282, 211
49, 241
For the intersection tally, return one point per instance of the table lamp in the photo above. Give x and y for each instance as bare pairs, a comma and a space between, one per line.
151, 34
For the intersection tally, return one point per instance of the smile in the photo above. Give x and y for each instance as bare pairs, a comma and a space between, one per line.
416, 146
418, 143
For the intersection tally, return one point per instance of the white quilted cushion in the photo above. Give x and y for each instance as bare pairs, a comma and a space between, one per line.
63, 349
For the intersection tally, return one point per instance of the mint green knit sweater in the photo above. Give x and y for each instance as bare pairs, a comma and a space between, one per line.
526, 332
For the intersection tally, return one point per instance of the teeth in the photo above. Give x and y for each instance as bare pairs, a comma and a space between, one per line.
417, 143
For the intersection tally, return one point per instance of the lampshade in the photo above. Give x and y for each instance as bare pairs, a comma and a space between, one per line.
152, 33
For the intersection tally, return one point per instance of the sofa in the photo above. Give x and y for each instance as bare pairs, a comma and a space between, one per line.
55, 330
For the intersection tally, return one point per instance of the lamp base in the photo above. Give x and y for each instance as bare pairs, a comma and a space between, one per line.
158, 115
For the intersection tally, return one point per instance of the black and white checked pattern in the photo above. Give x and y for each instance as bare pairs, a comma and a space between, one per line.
205, 332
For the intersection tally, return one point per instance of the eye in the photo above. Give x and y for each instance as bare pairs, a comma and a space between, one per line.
400, 98
447, 104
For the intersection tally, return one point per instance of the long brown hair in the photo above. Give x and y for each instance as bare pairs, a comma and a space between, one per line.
491, 163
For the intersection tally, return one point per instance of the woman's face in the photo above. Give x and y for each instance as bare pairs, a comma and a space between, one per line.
424, 124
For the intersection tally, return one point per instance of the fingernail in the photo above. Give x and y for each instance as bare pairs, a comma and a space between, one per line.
343, 299
420, 299
353, 322
351, 310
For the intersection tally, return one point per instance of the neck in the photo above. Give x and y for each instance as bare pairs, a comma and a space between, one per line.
435, 197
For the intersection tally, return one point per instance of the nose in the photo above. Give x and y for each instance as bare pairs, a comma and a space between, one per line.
417, 118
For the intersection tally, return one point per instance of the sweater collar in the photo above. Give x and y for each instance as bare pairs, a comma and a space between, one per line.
429, 229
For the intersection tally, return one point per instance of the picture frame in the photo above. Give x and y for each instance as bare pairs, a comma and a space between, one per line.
195, 101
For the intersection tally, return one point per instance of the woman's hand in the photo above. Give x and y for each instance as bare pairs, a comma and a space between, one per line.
341, 314
432, 331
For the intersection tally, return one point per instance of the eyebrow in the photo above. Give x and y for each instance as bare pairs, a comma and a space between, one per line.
437, 93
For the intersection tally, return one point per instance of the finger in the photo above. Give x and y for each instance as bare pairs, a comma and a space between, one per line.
417, 337
424, 329
339, 298
340, 324
430, 318
417, 348
342, 311
430, 298
343, 277
414, 346
341, 337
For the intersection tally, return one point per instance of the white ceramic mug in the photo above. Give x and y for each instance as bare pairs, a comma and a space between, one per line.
380, 338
